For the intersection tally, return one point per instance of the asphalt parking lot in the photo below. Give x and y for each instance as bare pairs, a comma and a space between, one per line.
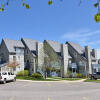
21, 90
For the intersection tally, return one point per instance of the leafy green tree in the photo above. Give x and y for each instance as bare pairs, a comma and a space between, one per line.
5, 3
50, 57
97, 16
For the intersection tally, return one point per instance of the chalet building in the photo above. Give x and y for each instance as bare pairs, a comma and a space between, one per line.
73, 57
10, 51
34, 55
58, 54
84, 58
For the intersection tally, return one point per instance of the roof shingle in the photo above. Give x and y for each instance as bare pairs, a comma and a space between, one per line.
55, 45
31, 44
11, 44
77, 47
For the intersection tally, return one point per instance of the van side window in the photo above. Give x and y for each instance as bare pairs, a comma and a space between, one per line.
12, 73
4, 73
8, 73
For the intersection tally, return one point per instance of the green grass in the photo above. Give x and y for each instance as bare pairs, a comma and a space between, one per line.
33, 79
48, 79
69, 79
88, 80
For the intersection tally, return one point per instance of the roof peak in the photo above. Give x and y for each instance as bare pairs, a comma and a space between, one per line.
53, 41
11, 44
29, 39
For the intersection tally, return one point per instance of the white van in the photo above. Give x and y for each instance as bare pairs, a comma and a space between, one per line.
7, 76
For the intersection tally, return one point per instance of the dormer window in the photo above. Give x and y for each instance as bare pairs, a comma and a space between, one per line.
19, 50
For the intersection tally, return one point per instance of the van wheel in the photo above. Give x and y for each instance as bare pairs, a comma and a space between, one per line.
14, 79
4, 82
95, 78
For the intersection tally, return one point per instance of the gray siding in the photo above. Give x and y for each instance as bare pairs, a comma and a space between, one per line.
4, 52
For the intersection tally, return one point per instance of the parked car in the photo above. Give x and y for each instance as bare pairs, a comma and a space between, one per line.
7, 76
95, 76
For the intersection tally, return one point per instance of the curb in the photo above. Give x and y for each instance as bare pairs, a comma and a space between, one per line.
35, 81
52, 81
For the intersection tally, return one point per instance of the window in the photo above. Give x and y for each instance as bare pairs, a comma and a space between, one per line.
4, 73
9, 73
14, 58
12, 73
19, 51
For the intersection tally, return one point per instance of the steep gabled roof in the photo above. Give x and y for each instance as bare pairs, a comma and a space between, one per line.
55, 45
31, 44
11, 44
77, 47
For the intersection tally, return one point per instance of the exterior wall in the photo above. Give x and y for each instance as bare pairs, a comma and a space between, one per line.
5, 68
19, 60
77, 58
94, 62
65, 60
40, 53
8, 58
94, 53
54, 57
29, 57
88, 56
75, 55
4, 52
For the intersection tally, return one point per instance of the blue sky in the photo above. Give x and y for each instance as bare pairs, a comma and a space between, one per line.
63, 21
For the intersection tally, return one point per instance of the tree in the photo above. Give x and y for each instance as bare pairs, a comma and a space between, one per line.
96, 5
97, 16
5, 3
52, 61
50, 2
13, 65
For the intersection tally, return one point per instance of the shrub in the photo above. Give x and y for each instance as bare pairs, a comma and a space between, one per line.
69, 74
78, 75
23, 73
37, 76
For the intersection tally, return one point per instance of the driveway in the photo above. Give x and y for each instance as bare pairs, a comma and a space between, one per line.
27, 90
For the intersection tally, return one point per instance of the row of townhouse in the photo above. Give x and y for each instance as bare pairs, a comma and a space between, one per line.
31, 54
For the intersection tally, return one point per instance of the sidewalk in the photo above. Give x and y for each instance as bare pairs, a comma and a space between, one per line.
82, 80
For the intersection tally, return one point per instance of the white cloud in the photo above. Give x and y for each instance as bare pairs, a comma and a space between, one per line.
84, 37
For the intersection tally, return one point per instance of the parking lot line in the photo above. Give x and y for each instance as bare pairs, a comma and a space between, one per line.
85, 98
